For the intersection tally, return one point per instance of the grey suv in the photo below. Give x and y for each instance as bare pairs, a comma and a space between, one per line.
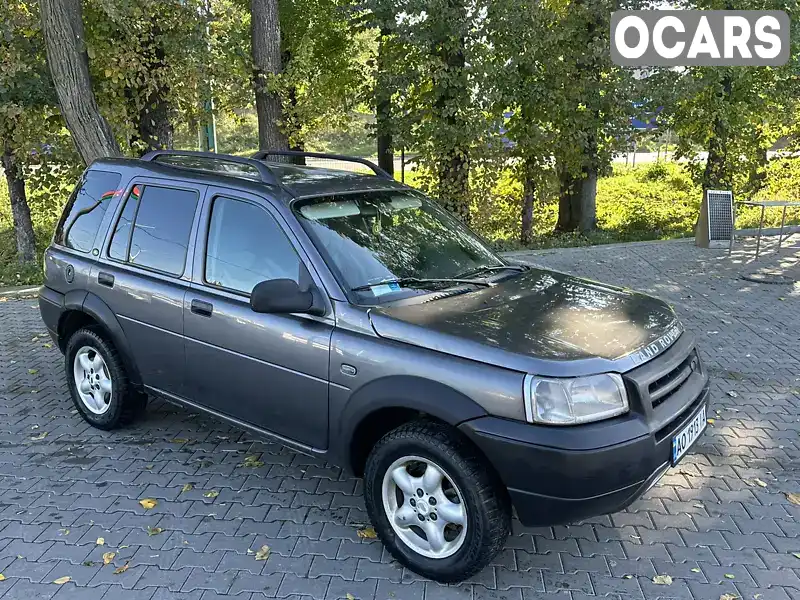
349, 317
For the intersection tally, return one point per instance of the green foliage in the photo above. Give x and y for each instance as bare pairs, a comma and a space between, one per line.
46, 205
733, 114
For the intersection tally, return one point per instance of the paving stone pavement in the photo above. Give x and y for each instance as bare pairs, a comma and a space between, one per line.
719, 523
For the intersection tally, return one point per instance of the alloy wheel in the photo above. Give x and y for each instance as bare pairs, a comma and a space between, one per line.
424, 506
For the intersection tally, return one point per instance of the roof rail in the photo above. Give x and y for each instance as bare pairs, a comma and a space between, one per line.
363, 161
264, 174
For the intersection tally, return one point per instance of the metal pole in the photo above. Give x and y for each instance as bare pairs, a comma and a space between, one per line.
760, 225
783, 220
403, 164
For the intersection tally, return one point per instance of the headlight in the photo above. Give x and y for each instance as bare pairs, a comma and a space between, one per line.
575, 400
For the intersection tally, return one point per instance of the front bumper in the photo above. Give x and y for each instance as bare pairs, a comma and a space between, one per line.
563, 474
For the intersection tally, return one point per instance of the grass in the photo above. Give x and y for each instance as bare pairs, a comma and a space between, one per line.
648, 202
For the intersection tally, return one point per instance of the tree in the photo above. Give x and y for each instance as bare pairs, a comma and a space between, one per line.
734, 114
383, 100
62, 25
593, 109
266, 50
435, 75
30, 128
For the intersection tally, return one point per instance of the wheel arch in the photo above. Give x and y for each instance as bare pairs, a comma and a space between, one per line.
89, 310
384, 404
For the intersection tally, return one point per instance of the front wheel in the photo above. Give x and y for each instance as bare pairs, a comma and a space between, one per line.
435, 503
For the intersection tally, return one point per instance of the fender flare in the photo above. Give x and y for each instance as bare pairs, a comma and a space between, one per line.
93, 306
404, 392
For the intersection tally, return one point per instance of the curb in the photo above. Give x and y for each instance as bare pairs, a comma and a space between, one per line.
19, 292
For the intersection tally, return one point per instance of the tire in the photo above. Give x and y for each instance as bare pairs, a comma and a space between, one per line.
115, 405
484, 506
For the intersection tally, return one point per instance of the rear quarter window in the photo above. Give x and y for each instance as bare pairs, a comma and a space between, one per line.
85, 210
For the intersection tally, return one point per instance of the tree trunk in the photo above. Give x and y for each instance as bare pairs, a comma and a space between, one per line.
62, 24
455, 165
265, 30
577, 203
21, 214
587, 213
153, 123
383, 103
569, 187
528, 198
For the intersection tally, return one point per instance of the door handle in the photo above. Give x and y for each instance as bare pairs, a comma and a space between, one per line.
204, 309
106, 279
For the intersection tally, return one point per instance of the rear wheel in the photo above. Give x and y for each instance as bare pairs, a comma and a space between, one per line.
434, 501
98, 382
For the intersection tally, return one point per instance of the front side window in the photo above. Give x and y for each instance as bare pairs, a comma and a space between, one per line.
372, 237
162, 221
85, 210
246, 246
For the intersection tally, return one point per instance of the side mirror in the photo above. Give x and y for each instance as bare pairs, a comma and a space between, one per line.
285, 296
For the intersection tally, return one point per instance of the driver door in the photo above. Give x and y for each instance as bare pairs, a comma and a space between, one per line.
267, 370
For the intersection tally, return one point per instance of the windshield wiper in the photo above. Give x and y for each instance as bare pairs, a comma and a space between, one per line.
421, 283
486, 269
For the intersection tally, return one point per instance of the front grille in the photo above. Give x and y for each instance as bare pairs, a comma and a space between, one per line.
668, 384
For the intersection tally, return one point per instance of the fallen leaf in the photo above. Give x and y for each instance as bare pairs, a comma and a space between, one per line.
710, 421
759, 483
38, 438
263, 553
796, 554
731, 597
730, 576
211, 494
793, 498
101, 541
350, 596
179, 441
33, 371
148, 503
62, 580
187, 487
122, 569
695, 570
732, 394
63, 531
108, 557
367, 533
2, 577
151, 531
252, 461
48, 345
627, 576
662, 580
88, 563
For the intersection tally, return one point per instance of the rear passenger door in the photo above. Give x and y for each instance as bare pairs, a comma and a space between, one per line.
144, 273
269, 370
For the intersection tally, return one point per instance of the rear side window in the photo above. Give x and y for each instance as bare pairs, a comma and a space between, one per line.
85, 210
161, 220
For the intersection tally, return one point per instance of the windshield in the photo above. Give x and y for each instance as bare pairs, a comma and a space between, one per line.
374, 237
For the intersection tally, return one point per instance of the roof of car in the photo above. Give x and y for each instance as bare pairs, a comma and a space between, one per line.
293, 180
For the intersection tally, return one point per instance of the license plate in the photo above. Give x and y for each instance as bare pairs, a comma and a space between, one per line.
687, 436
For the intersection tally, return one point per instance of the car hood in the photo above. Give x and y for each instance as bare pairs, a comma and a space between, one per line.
540, 314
